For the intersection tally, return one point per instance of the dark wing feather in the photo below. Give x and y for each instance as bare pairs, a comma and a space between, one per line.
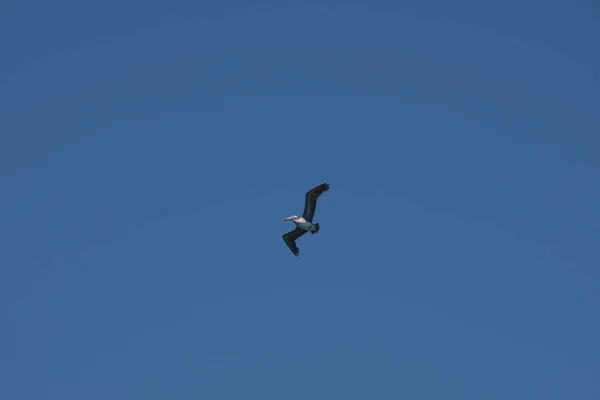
290, 239
310, 203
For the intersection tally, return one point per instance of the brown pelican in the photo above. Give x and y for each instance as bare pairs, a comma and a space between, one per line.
304, 224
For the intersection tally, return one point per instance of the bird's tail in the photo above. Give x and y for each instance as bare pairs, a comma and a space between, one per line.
316, 228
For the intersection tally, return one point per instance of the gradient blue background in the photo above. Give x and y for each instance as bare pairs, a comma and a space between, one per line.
148, 151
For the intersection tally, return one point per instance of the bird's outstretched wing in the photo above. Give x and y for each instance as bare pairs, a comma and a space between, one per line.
310, 203
290, 239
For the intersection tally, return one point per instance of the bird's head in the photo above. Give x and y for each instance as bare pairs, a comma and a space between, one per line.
290, 218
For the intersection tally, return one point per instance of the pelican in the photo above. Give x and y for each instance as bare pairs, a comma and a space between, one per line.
305, 223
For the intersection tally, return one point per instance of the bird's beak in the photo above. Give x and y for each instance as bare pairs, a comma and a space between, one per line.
286, 219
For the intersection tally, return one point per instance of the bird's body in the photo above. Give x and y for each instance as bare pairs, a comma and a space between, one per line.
305, 223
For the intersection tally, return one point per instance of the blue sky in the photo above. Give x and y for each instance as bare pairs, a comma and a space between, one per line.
148, 151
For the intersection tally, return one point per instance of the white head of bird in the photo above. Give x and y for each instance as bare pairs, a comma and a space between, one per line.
290, 218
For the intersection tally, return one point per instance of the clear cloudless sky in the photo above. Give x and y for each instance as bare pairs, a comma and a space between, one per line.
150, 149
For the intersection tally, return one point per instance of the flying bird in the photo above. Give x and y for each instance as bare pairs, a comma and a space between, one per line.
305, 223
